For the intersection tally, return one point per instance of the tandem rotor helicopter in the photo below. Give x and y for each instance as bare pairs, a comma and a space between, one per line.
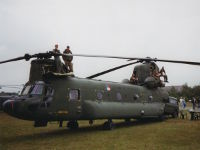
52, 96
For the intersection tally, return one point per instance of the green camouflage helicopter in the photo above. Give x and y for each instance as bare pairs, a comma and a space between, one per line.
50, 96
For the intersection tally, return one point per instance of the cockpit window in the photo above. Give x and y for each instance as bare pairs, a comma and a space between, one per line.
37, 89
26, 90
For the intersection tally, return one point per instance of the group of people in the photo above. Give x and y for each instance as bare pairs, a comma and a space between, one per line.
153, 72
67, 60
195, 102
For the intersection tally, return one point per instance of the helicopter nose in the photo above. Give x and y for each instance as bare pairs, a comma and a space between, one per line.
9, 106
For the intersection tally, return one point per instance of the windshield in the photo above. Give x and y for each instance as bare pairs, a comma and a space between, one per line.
173, 101
37, 89
26, 90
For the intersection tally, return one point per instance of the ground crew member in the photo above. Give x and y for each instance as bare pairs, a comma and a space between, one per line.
57, 60
163, 74
156, 75
193, 103
133, 78
159, 74
68, 59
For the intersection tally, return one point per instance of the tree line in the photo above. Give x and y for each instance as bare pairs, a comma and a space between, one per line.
187, 92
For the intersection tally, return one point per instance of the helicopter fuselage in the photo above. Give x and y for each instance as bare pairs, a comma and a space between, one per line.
72, 98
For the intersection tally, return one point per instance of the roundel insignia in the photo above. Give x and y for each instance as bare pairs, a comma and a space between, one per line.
108, 88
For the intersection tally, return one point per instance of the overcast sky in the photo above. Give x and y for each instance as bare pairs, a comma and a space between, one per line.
165, 29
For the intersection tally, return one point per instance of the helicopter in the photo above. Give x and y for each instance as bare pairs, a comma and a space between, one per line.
51, 96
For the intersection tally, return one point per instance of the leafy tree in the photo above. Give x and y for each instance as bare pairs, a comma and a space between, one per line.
186, 92
173, 92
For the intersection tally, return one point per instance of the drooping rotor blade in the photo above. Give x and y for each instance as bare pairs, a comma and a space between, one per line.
165, 60
96, 56
110, 70
135, 58
177, 61
12, 87
50, 54
14, 59
28, 57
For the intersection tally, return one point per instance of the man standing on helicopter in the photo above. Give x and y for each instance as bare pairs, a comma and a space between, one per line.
68, 59
157, 74
57, 60
163, 74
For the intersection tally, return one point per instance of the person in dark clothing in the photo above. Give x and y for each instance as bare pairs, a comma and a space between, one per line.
134, 79
68, 59
57, 60
193, 103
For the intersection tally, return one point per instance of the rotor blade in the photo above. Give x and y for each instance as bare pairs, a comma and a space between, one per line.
169, 61
112, 69
10, 60
12, 87
96, 56
26, 57
148, 59
178, 61
50, 54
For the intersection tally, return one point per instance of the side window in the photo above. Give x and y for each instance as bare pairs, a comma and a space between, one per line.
119, 96
74, 94
99, 95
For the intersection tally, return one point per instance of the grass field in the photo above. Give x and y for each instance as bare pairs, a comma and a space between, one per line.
172, 134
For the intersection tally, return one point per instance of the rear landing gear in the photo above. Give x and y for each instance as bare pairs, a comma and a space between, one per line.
73, 124
108, 125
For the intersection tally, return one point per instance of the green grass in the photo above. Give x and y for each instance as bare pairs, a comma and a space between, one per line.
172, 134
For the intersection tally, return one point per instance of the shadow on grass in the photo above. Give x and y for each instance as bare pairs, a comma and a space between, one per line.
68, 133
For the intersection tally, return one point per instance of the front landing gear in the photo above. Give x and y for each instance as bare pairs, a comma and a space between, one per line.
108, 125
72, 124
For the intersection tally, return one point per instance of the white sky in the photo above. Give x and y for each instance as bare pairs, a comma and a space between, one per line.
165, 29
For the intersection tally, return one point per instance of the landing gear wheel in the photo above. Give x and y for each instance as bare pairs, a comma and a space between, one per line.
108, 125
72, 125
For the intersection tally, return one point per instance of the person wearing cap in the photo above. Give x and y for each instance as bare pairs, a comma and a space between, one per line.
68, 59
57, 60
